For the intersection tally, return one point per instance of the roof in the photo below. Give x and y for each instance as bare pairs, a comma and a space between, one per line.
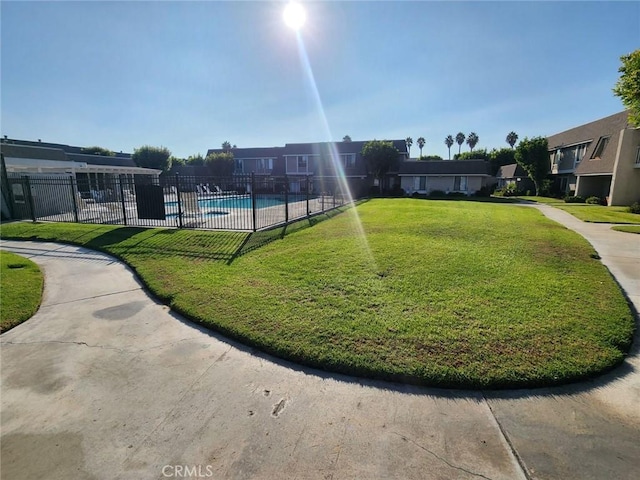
444, 167
102, 160
313, 148
251, 152
592, 132
61, 146
512, 170
41, 153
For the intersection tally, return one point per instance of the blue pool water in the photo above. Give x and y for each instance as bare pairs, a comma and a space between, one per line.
240, 201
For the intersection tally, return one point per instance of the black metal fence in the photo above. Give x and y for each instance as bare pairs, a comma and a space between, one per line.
241, 202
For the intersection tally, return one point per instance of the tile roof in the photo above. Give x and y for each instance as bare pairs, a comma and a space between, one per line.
444, 167
592, 132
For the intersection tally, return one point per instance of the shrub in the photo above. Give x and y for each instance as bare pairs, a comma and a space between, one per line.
437, 193
456, 194
573, 199
594, 201
397, 191
635, 208
510, 190
484, 191
418, 195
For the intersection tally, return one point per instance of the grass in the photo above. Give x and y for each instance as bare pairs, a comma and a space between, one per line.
446, 293
591, 213
627, 228
21, 285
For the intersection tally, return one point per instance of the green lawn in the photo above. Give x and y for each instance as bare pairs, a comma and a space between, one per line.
591, 213
447, 293
627, 228
21, 286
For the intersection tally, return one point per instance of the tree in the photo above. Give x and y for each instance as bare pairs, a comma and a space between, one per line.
421, 141
226, 147
220, 164
430, 157
196, 160
533, 156
480, 154
460, 140
499, 158
449, 143
95, 150
628, 85
512, 138
472, 140
380, 156
409, 142
346, 138
152, 157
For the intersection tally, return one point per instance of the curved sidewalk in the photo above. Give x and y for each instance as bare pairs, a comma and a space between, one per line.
104, 382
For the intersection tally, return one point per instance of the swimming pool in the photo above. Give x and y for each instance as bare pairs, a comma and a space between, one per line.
237, 201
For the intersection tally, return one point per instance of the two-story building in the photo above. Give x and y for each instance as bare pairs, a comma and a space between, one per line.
600, 158
320, 159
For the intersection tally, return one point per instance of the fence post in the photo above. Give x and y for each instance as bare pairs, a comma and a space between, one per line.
307, 180
30, 197
74, 197
124, 206
322, 196
179, 200
253, 199
286, 199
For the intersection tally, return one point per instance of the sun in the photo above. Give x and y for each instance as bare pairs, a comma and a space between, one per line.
294, 15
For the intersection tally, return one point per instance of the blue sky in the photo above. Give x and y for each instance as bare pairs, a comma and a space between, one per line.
190, 75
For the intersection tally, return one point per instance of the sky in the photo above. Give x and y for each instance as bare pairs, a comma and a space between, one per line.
191, 75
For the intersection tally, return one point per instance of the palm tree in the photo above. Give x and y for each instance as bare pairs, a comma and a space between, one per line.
449, 142
512, 138
409, 142
421, 141
346, 138
460, 140
472, 140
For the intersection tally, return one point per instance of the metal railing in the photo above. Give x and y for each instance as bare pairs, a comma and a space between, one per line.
239, 202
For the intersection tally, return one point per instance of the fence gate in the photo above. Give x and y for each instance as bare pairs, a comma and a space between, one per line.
19, 198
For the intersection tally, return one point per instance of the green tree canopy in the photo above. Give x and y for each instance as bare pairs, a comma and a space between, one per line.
220, 164
380, 156
430, 157
628, 85
95, 150
500, 157
226, 147
196, 160
346, 138
152, 157
533, 156
480, 154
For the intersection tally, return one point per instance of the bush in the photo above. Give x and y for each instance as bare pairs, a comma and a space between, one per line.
509, 190
484, 191
374, 190
397, 191
418, 195
437, 193
594, 201
456, 194
574, 199
635, 208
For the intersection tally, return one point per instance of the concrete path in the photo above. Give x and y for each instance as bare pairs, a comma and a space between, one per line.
105, 383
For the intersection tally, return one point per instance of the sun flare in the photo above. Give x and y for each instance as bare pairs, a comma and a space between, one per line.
294, 15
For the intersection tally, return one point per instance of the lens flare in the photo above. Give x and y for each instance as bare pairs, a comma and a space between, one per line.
343, 184
294, 15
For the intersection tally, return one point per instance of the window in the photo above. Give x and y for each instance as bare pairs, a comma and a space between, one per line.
348, 159
460, 184
302, 162
602, 144
264, 164
239, 166
420, 183
638, 157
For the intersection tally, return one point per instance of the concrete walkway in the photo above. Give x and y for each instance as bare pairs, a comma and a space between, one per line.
104, 382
